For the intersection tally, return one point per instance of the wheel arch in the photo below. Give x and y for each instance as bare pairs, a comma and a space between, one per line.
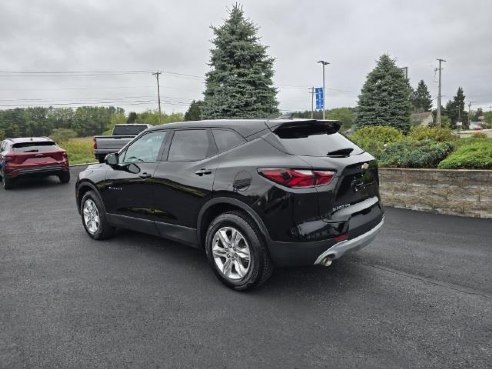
82, 189
219, 205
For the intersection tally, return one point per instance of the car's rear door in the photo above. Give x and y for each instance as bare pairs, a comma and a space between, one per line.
184, 183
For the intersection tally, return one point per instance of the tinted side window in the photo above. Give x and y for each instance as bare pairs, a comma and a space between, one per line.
226, 140
145, 149
192, 145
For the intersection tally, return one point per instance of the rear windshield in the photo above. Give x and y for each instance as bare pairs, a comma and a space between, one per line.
311, 141
34, 146
128, 130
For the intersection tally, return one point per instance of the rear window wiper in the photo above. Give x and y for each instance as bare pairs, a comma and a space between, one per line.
340, 152
34, 150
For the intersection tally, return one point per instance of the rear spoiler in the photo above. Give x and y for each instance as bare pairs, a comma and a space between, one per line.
302, 127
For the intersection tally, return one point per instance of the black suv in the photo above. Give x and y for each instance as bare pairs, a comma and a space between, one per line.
252, 193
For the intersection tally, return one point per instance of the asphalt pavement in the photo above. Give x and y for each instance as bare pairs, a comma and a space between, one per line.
420, 296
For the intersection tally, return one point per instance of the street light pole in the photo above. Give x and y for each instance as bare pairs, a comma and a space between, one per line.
324, 89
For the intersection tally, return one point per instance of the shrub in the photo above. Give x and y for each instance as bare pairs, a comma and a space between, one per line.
374, 139
415, 154
62, 134
2, 134
474, 154
431, 133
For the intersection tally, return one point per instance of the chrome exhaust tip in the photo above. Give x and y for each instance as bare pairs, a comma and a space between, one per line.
326, 261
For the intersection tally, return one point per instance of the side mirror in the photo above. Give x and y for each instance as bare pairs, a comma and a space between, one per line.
111, 159
132, 168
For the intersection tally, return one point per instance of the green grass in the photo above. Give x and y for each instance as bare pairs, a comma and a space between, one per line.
79, 150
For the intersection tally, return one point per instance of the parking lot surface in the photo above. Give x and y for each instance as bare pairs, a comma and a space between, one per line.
419, 297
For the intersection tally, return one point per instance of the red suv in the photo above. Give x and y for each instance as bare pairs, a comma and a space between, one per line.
32, 156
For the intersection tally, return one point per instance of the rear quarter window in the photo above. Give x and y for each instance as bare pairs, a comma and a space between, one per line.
225, 139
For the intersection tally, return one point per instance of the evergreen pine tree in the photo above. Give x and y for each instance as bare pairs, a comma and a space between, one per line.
455, 109
385, 99
195, 111
422, 100
239, 84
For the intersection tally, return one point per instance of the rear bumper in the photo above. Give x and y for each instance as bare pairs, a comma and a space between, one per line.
37, 171
309, 253
339, 249
359, 229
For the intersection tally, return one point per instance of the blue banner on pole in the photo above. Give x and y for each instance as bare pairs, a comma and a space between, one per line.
320, 101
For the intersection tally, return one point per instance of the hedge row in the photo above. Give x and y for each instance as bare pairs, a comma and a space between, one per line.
425, 147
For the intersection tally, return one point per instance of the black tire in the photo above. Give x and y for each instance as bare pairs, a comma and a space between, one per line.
102, 229
7, 183
260, 267
64, 177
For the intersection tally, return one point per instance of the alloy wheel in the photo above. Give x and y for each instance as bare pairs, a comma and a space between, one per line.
231, 253
92, 220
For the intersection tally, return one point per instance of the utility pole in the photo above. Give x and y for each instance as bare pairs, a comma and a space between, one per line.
311, 91
157, 74
324, 89
469, 112
439, 94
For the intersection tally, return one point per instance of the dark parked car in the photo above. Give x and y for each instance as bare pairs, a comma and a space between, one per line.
32, 156
254, 194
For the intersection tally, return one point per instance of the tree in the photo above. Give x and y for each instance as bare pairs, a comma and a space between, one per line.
239, 84
91, 120
195, 111
488, 119
345, 116
477, 115
422, 99
152, 117
385, 99
455, 109
132, 117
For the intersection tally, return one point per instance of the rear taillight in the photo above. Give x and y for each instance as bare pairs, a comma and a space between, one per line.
297, 178
94, 145
7, 159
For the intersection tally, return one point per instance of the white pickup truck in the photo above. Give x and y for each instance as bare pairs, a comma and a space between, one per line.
122, 134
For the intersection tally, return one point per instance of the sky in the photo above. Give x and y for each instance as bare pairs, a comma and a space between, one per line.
69, 53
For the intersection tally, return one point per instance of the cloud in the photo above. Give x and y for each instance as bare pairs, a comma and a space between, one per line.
172, 36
